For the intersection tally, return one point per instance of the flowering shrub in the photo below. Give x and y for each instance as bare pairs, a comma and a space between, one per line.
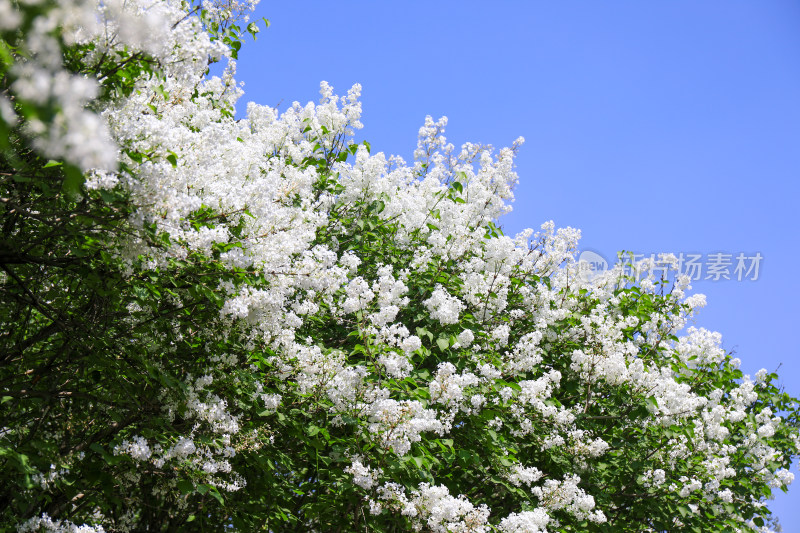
261, 325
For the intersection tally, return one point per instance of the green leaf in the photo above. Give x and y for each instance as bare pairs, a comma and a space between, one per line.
185, 486
73, 181
159, 89
214, 492
377, 206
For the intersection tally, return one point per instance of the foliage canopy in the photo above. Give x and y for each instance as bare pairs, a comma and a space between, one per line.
250, 325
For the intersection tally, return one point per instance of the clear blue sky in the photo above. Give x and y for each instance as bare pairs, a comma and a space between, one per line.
651, 126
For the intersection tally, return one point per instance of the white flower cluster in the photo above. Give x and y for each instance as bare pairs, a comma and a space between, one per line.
509, 303
524, 475
526, 522
77, 134
212, 409
185, 451
364, 476
568, 496
447, 386
46, 479
444, 513
210, 461
432, 507
654, 478
400, 423
45, 523
444, 307
138, 448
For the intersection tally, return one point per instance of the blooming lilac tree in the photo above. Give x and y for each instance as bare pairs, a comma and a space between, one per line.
261, 325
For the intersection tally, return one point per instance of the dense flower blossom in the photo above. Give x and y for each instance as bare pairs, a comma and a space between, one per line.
290, 331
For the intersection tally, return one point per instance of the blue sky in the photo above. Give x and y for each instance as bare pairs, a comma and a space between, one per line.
652, 127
